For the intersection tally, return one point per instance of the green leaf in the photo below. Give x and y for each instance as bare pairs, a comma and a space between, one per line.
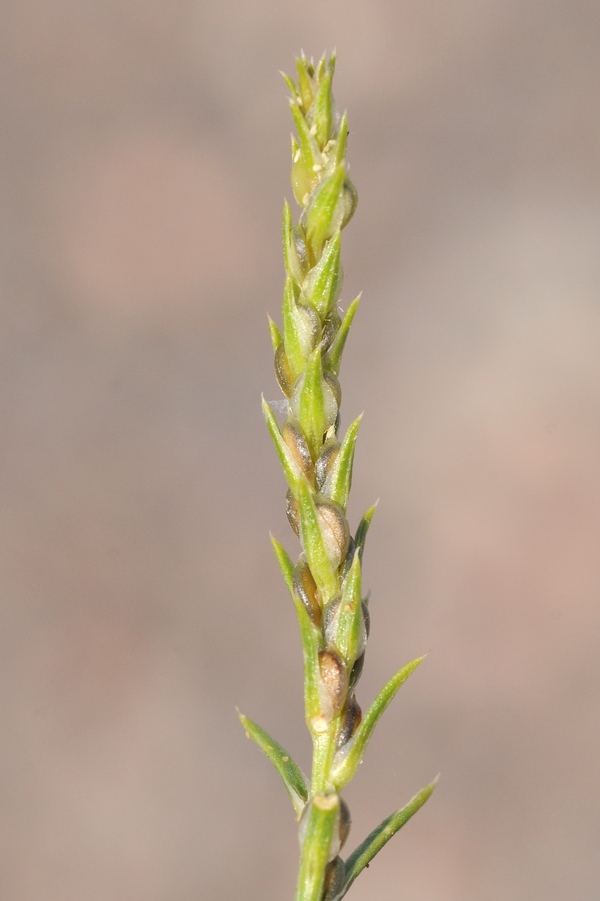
347, 760
366, 851
292, 263
349, 632
323, 216
293, 778
342, 141
334, 355
313, 545
322, 110
291, 470
276, 338
312, 414
292, 337
322, 285
291, 86
363, 528
321, 820
311, 645
339, 480
309, 149
305, 82
285, 564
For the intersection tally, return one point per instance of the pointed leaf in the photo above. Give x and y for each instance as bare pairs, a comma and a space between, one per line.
311, 645
305, 82
292, 776
324, 215
322, 110
366, 851
313, 544
309, 149
347, 760
291, 470
285, 564
363, 528
318, 832
334, 355
350, 628
342, 141
292, 330
323, 284
276, 338
291, 86
312, 413
339, 480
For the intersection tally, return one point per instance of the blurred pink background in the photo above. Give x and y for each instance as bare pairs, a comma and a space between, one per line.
144, 161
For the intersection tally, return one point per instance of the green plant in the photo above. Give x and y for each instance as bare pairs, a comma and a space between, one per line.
325, 583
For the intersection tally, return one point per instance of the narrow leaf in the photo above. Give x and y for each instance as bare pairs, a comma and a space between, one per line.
334, 355
294, 349
313, 545
322, 285
349, 633
339, 480
366, 851
347, 760
305, 82
276, 338
323, 109
363, 528
309, 149
324, 215
291, 86
293, 778
312, 414
321, 820
342, 141
291, 470
311, 645
285, 564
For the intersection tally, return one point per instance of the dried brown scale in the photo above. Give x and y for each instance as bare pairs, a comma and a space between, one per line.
325, 461
350, 722
344, 824
296, 441
334, 679
334, 879
283, 371
306, 589
335, 531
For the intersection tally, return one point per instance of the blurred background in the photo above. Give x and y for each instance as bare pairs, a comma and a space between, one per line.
144, 162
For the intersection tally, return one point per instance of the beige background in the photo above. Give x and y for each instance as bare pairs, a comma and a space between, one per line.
144, 160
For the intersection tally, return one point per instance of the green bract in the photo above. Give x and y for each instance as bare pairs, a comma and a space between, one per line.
326, 582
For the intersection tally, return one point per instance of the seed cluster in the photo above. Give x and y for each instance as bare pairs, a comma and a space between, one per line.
326, 581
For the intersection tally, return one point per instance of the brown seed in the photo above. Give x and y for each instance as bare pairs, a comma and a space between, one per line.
334, 679
306, 590
344, 823
294, 437
325, 460
335, 531
292, 510
330, 618
350, 723
357, 670
334, 879
367, 618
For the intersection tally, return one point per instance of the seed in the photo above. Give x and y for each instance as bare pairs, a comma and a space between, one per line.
292, 510
350, 723
335, 531
295, 439
334, 679
306, 590
283, 372
325, 461
334, 879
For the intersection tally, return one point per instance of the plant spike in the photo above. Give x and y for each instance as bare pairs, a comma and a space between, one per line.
325, 583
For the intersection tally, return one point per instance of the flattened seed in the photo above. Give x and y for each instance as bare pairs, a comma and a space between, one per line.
357, 670
331, 327
325, 461
334, 677
306, 589
350, 723
334, 878
294, 437
335, 386
292, 510
335, 531
345, 822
